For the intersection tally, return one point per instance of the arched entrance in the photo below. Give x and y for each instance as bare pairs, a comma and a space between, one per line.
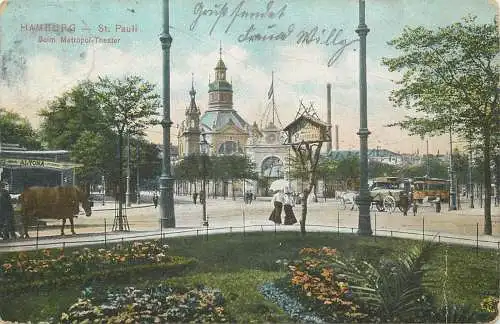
272, 168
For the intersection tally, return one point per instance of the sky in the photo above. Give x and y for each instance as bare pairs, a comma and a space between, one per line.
301, 70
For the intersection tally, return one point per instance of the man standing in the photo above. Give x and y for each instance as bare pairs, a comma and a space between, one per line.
202, 197
155, 199
6, 212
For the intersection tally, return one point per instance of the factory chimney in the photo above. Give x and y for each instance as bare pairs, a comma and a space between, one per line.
336, 137
329, 116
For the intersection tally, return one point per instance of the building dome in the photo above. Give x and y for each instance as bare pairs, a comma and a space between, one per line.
220, 65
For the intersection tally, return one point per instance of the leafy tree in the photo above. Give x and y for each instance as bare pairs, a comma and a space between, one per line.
89, 150
78, 112
128, 107
379, 169
16, 129
327, 170
348, 171
68, 116
450, 80
308, 155
438, 169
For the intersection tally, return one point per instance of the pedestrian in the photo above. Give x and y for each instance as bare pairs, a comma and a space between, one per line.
438, 205
403, 203
6, 212
415, 208
155, 199
288, 204
195, 196
277, 203
202, 197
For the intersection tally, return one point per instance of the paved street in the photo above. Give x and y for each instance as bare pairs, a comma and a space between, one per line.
229, 213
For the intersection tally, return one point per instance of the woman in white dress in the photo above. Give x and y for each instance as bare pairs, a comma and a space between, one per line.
288, 204
277, 203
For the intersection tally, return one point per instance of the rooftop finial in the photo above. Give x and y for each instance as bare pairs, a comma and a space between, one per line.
192, 93
220, 50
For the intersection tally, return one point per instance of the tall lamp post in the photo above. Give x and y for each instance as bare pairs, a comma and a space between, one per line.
167, 218
453, 192
204, 154
364, 222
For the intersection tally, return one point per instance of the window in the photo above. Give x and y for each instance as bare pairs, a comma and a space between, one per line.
272, 167
229, 148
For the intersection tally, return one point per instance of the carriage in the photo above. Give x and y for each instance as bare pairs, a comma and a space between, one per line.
386, 194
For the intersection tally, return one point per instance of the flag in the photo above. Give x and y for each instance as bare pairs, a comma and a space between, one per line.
271, 91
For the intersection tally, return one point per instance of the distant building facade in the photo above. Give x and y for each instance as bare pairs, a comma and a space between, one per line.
228, 133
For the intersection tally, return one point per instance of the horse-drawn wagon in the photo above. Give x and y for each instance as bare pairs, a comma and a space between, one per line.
386, 194
389, 193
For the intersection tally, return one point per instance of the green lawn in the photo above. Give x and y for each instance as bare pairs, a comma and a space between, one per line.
238, 264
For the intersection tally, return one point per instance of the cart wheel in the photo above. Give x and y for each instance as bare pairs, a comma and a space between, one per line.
389, 204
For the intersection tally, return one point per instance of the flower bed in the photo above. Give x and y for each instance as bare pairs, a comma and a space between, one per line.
154, 305
56, 266
314, 281
338, 289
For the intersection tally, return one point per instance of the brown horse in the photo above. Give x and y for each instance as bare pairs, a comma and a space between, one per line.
53, 203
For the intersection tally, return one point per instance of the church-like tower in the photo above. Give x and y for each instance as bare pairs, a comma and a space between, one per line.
191, 132
220, 91
227, 132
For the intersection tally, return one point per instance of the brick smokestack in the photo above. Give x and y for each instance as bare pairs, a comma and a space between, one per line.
336, 137
329, 116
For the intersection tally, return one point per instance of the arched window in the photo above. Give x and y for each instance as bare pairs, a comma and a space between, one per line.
229, 148
272, 167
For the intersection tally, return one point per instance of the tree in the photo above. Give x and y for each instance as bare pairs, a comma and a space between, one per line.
437, 168
88, 150
348, 171
16, 129
450, 83
128, 107
75, 121
379, 169
307, 155
69, 115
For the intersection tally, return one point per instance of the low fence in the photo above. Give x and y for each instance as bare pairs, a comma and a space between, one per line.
108, 237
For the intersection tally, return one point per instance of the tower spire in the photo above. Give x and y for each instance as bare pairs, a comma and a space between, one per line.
192, 93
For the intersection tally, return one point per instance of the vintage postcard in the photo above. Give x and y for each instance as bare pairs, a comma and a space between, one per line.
200, 140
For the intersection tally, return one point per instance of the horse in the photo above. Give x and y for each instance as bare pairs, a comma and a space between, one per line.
53, 203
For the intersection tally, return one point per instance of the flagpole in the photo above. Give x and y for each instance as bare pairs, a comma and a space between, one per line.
272, 91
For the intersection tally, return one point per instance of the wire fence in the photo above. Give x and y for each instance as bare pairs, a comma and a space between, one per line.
107, 236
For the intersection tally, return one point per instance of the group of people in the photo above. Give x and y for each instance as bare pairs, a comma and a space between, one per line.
201, 196
249, 197
283, 200
7, 228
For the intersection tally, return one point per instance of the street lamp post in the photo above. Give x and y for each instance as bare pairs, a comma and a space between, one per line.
364, 222
127, 194
166, 181
471, 186
453, 192
204, 151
